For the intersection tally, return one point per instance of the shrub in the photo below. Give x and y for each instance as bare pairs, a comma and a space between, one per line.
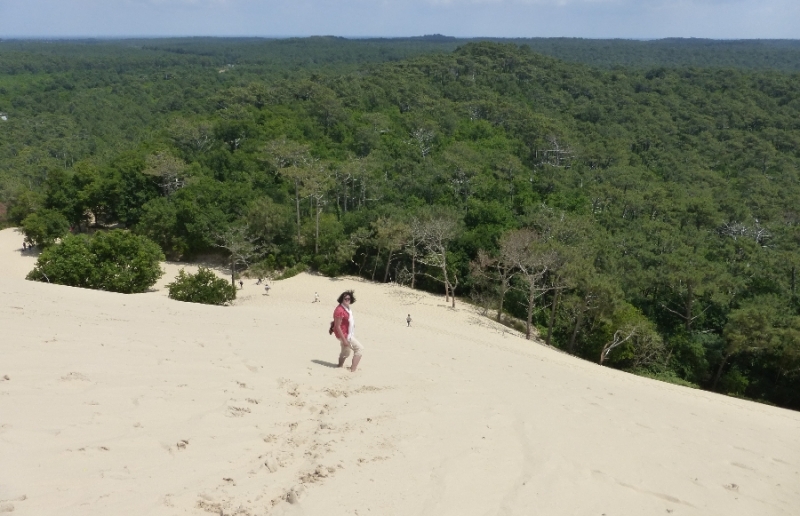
203, 287
44, 227
116, 261
665, 376
293, 271
262, 269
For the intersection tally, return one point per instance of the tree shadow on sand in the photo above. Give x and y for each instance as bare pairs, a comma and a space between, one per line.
324, 363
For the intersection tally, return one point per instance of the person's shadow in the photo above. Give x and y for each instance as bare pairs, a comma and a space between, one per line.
324, 363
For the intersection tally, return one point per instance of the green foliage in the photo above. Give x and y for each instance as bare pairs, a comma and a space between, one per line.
23, 204
159, 223
292, 271
201, 287
666, 376
734, 382
662, 194
116, 261
262, 269
44, 227
70, 263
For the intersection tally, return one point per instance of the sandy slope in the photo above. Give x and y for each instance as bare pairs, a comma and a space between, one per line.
133, 405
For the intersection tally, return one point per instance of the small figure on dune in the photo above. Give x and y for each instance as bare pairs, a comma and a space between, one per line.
24, 245
316, 298
241, 284
258, 282
266, 288
408, 321
344, 326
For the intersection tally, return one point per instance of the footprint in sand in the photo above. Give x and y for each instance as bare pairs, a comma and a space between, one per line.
237, 411
74, 377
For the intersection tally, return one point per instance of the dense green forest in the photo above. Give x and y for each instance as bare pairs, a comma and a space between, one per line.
640, 216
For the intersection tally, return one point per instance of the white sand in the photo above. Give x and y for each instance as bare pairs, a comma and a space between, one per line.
140, 405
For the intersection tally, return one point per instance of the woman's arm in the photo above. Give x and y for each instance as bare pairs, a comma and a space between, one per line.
337, 330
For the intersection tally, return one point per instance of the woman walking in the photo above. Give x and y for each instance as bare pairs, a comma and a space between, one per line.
344, 326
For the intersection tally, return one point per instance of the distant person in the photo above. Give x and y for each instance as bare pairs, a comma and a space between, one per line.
24, 245
241, 284
344, 326
316, 298
266, 288
408, 321
258, 282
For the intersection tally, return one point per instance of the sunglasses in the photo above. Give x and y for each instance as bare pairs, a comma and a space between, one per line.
347, 299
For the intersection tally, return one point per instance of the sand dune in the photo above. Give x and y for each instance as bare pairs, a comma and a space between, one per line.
131, 405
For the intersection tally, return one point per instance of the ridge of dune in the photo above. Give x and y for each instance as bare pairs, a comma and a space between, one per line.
138, 404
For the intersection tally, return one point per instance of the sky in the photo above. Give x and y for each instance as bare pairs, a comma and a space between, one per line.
632, 19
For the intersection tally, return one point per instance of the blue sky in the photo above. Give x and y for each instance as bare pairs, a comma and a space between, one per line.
719, 19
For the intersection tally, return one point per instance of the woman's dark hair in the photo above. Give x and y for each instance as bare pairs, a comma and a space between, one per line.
351, 293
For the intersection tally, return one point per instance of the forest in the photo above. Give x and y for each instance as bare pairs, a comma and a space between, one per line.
632, 203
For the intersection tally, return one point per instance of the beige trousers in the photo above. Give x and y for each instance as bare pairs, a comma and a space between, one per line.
357, 348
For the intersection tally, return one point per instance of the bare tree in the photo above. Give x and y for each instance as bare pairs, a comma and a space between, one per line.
167, 170
194, 137
554, 153
633, 328
501, 269
357, 176
390, 235
422, 139
438, 230
533, 260
462, 165
290, 159
621, 336
508, 168
318, 181
413, 248
361, 238
240, 246
343, 177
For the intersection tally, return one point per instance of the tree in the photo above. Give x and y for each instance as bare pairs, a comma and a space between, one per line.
201, 287
592, 301
240, 246
167, 171
44, 227
318, 180
634, 331
438, 228
268, 221
23, 204
290, 159
61, 194
159, 223
414, 247
391, 235
191, 137
125, 262
356, 177
533, 259
461, 164
116, 261
690, 276
69, 263
749, 329
502, 268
